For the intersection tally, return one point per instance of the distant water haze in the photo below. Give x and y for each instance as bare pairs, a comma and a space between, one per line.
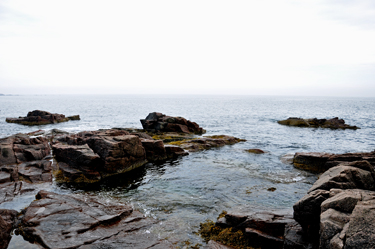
271, 47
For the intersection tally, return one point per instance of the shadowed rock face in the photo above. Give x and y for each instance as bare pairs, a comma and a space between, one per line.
64, 221
338, 211
158, 122
333, 123
38, 117
91, 156
7, 220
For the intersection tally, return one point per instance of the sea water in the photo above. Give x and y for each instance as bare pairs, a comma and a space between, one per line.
183, 193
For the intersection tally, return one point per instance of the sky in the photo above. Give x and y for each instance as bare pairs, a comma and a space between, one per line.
268, 47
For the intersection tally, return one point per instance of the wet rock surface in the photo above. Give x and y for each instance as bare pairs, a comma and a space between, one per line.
65, 221
39, 117
333, 123
320, 162
158, 122
206, 142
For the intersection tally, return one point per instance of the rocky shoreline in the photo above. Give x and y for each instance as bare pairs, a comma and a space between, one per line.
67, 221
336, 213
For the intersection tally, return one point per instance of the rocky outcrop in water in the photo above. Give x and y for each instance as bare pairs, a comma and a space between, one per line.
88, 157
319, 162
65, 221
158, 122
333, 123
38, 117
206, 142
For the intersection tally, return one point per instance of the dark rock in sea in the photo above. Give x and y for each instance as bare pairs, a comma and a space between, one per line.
66, 221
333, 123
38, 117
93, 155
256, 151
320, 162
175, 151
207, 142
158, 122
7, 221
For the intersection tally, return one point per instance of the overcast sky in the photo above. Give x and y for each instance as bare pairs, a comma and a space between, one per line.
262, 47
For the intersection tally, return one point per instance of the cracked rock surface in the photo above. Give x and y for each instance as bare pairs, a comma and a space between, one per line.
64, 221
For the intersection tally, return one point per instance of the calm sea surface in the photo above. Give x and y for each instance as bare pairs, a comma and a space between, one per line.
184, 192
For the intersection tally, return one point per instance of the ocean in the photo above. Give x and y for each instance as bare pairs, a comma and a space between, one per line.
183, 193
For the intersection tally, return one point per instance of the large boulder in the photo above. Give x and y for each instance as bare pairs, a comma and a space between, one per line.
319, 162
158, 122
344, 177
22, 148
65, 221
88, 157
347, 220
38, 117
333, 123
326, 213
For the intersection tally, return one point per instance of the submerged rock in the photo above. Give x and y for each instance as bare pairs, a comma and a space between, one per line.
206, 142
38, 117
65, 221
158, 122
333, 123
256, 151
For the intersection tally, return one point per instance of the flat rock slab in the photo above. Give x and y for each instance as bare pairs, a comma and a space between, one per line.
319, 162
207, 142
65, 221
38, 117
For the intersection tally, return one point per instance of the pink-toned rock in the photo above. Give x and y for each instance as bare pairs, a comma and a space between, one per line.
7, 220
155, 150
91, 156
